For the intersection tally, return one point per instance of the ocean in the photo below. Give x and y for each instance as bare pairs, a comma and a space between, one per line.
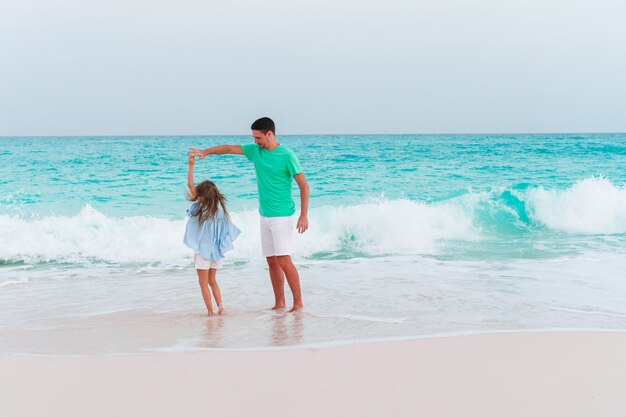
409, 236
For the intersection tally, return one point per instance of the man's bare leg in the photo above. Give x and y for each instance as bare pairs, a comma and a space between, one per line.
293, 279
277, 276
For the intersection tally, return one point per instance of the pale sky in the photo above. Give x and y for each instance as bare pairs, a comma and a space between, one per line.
209, 67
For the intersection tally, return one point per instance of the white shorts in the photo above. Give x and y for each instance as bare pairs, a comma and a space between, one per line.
276, 235
201, 263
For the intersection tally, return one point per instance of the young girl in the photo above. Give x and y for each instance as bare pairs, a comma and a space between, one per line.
209, 233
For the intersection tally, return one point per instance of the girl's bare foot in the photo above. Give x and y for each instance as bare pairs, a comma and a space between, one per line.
220, 311
210, 313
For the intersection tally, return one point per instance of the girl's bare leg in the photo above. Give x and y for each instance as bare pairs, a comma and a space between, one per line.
216, 290
203, 280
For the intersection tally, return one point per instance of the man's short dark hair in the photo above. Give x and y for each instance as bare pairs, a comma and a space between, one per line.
264, 124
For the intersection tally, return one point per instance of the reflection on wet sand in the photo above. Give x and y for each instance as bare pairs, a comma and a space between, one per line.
212, 336
287, 329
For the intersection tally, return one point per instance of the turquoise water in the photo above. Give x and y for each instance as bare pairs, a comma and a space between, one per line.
425, 211
145, 175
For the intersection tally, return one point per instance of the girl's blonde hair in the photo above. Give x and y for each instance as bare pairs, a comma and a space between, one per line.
209, 199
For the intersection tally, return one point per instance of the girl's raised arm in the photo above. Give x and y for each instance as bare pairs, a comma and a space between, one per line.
192, 189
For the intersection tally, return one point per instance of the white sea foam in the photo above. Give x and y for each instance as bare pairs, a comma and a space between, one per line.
21, 280
90, 235
385, 227
591, 206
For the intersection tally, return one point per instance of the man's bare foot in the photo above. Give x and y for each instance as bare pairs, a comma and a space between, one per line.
296, 307
278, 306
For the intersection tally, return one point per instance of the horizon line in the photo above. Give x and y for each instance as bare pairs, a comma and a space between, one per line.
316, 134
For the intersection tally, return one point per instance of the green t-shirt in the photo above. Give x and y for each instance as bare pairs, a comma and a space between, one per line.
274, 173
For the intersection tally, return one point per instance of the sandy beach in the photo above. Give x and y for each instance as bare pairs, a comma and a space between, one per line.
504, 374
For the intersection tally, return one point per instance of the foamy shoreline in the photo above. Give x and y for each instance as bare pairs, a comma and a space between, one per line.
502, 374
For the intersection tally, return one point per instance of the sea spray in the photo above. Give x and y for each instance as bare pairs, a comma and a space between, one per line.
387, 227
590, 206
377, 228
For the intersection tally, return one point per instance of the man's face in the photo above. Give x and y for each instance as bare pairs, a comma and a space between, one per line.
261, 139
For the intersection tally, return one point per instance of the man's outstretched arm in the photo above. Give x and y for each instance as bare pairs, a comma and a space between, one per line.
216, 150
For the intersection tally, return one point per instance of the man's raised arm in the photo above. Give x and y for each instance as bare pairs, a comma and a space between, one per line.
216, 150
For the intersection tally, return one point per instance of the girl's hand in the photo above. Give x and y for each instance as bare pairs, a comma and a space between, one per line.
197, 152
191, 160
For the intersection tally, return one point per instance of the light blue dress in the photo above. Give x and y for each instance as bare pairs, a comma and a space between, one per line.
211, 239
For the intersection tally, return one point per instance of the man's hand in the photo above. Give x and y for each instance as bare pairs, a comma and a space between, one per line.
197, 152
191, 160
303, 224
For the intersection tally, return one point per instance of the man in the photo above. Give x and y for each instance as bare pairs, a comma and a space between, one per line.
275, 166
